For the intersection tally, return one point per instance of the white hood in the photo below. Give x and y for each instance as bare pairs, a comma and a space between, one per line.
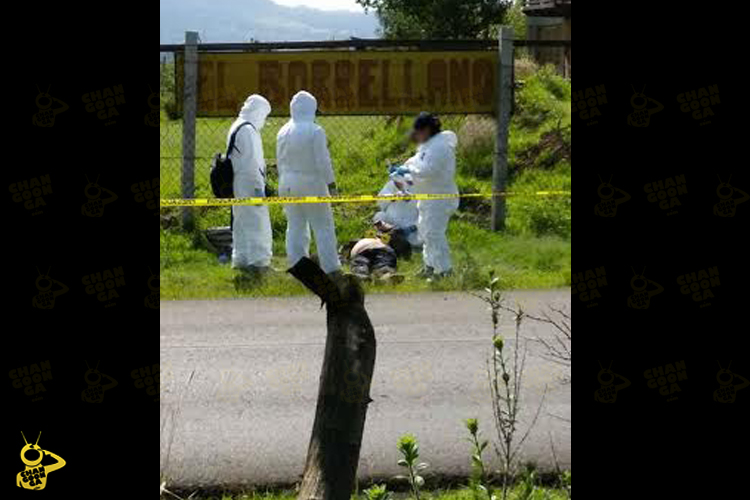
255, 110
302, 156
303, 107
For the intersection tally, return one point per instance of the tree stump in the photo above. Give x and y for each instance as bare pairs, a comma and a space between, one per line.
344, 390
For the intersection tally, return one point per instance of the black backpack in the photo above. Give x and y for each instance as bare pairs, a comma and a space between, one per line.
222, 172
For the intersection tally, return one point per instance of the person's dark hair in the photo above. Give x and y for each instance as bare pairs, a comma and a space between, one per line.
429, 121
346, 248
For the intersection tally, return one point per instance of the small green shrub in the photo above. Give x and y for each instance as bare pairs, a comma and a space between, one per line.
377, 492
478, 480
409, 448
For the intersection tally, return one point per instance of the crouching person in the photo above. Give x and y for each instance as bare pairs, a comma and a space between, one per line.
397, 216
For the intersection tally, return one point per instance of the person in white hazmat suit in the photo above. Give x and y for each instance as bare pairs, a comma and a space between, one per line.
400, 214
432, 170
305, 170
251, 227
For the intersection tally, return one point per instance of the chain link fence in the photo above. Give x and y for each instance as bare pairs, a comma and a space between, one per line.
363, 144
360, 148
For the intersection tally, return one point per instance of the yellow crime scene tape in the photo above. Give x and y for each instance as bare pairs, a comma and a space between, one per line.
281, 200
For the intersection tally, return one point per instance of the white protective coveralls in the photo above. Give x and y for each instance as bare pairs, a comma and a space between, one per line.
433, 169
402, 214
305, 170
251, 229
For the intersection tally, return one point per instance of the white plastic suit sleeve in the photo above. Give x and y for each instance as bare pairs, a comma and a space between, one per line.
388, 190
322, 156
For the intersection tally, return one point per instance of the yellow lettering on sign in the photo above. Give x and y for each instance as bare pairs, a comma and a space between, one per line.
348, 82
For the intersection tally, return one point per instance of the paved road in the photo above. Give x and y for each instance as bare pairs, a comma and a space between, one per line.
240, 385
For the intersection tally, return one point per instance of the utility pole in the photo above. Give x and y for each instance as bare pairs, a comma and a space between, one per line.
504, 105
189, 109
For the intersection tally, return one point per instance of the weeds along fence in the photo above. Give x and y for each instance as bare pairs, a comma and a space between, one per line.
360, 145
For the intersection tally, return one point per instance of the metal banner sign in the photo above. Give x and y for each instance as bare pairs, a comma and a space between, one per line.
348, 82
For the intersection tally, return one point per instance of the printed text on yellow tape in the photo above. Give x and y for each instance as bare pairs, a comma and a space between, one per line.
276, 200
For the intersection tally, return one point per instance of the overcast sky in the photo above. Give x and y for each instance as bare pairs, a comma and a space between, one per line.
324, 4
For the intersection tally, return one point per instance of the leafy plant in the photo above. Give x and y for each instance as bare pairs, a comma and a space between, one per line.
478, 482
565, 481
563, 477
528, 483
505, 374
419, 19
409, 448
377, 492
167, 89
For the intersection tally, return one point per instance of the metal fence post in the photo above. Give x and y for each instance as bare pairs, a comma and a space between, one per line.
189, 105
504, 103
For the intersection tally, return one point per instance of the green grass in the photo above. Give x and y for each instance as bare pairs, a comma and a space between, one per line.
453, 494
522, 262
533, 252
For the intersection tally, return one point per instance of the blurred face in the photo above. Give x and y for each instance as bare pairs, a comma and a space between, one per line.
421, 135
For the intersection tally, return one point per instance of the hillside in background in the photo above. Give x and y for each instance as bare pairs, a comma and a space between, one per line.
262, 20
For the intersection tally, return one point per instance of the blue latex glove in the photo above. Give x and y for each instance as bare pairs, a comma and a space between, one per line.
402, 170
